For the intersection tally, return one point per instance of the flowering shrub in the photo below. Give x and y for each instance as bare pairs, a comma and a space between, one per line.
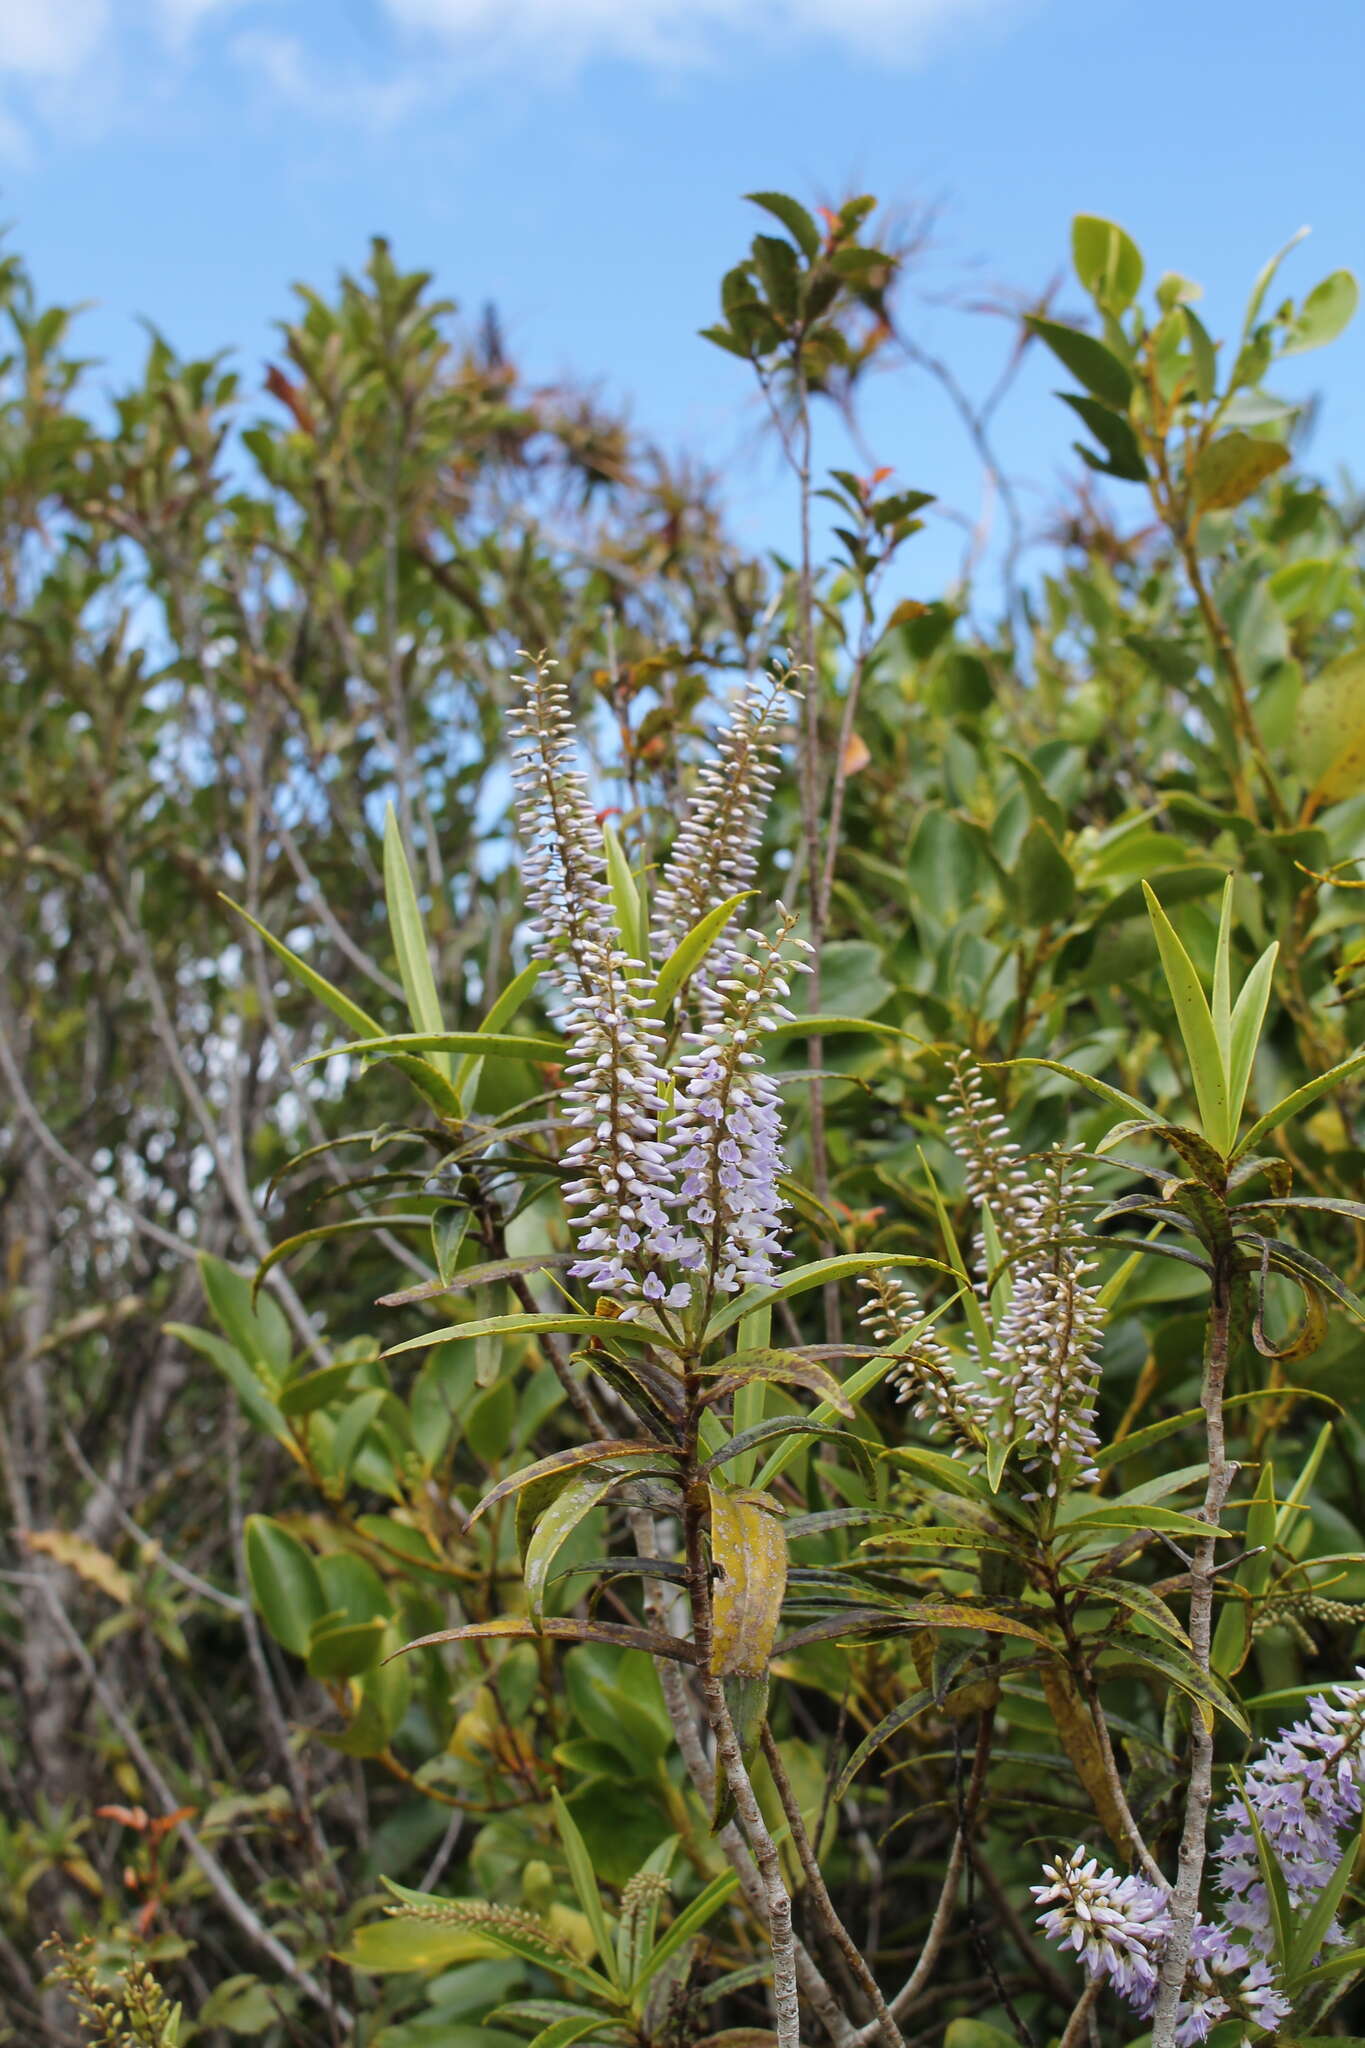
801, 1493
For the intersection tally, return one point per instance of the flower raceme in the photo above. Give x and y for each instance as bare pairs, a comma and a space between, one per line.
673, 1190
1303, 1792
1037, 1390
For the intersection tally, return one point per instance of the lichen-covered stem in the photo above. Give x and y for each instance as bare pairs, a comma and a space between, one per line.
1184, 1905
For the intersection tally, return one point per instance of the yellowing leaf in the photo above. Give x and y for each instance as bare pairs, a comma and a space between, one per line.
749, 1551
87, 1560
1082, 1745
1330, 735
396, 1945
1232, 467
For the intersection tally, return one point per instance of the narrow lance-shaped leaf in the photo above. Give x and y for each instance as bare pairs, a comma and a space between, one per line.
585, 1883
409, 938
351, 1014
555, 1526
625, 896
1222, 979
1247, 1018
1302, 1098
1196, 1028
692, 949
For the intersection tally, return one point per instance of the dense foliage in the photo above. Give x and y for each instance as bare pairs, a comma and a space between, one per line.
680, 1310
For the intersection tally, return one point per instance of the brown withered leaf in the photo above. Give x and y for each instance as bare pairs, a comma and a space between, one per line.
86, 1559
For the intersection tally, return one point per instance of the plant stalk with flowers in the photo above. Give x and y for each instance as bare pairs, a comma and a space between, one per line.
981, 1562
674, 1188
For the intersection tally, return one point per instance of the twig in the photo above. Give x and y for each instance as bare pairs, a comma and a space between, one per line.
819, 1892
218, 1880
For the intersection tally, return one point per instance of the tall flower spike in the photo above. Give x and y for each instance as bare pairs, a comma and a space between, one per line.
1305, 1792
995, 1172
715, 853
1046, 1363
615, 1081
925, 1375
1116, 1925
726, 1129
1041, 1378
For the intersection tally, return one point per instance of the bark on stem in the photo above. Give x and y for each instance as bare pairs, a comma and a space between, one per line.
1193, 1839
824, 1904
777, 1905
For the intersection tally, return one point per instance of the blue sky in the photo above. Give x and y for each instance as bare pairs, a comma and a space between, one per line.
580, 163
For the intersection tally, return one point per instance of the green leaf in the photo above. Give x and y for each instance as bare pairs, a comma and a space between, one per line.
1142, 1515
1108, 261
245, 1382
345, 1649
889, 1725
1196, 1028
1232, 1637
1277, 1891
689, 1922
257, 1328
1203, 355
465, 1279
1044, 885
1263, 280
571, 1506
393, 1947
691, 950
1294, 1105
794, 218
1166, 1657
316, 1389
409, 938
625, 896
285, 1587
322, 1233
484, 1045
816, 1274
584, 1880
1311, 1931
792, 1425
1097, 367
1248, 1016
515, 1933
783, 1368
1329, 308
564, 2032
1114, 432
1116, 1096
1231, 468
969, 2033
612, 1450
351, 1014
1222, 979
536, 1325
512, 999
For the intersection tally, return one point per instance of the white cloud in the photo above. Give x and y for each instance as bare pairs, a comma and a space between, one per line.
43, 39
71, 66
566, 33
287, 68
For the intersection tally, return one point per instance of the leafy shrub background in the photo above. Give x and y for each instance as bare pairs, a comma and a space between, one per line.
237, 628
